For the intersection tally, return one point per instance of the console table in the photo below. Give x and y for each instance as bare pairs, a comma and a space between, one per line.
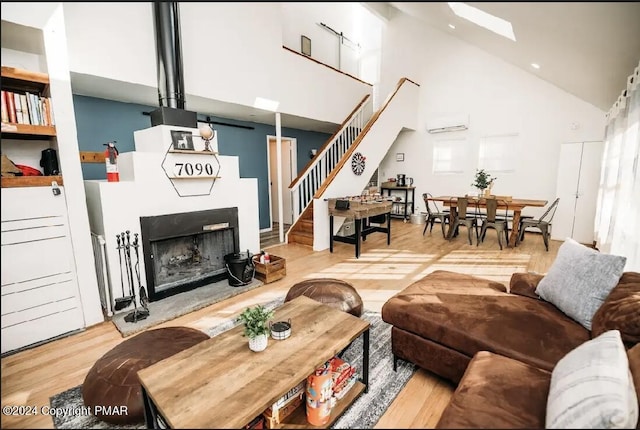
220, 383
360, 212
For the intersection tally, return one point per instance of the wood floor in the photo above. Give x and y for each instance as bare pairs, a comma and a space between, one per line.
30, 377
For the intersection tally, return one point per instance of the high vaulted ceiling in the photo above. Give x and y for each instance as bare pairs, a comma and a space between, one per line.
588, 49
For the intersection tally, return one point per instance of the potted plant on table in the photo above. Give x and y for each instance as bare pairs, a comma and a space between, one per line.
255, 326
483, 181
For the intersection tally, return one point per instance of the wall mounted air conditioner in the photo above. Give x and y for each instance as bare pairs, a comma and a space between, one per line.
447, 123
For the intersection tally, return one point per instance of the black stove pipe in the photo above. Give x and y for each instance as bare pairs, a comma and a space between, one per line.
171, 93
169, 52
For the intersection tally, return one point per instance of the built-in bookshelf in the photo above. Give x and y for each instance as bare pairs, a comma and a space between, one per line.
27, 115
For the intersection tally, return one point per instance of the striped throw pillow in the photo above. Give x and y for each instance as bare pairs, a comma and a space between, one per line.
591, 387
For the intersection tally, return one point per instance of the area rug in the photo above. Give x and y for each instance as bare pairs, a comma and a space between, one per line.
384, 383
181, 304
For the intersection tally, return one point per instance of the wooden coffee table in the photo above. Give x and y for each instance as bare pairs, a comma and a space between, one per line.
221, 383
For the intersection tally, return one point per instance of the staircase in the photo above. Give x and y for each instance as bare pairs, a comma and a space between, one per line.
302, 230
373, 135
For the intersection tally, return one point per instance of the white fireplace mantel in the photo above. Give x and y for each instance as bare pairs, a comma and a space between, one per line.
145, 190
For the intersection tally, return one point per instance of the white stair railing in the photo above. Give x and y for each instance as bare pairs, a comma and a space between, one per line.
325, 161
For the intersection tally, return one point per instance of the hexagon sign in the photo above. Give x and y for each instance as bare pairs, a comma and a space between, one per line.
192, 173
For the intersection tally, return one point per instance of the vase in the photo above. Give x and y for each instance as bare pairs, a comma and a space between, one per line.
258, 343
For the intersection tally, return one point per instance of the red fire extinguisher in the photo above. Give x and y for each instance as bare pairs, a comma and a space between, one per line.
111, 160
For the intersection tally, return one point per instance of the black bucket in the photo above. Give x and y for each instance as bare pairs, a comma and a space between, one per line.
240, 268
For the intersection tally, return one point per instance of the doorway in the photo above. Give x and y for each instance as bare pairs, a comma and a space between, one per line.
289, 173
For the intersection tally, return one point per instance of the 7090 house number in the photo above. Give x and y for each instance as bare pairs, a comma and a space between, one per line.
192, 169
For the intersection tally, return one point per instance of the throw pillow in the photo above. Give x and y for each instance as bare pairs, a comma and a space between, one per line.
592, 387
579, 280
621, 310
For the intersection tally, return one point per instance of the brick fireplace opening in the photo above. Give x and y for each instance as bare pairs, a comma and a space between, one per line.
186, 250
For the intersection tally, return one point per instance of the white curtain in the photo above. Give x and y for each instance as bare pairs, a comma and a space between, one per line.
617, 225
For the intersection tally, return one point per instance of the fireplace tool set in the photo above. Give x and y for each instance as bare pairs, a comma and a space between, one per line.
127, 269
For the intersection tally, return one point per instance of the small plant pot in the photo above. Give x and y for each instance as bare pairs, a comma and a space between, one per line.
258, 343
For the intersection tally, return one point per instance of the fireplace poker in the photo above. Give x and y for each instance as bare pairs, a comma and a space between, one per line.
142, 290
124, 301
127, 250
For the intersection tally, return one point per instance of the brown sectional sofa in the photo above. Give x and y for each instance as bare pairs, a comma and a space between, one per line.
499, 347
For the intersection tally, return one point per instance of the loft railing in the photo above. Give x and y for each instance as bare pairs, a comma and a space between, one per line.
313, 175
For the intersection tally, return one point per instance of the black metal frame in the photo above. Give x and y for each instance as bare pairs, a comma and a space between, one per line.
493, 220
363, 229
170, 226
443, 216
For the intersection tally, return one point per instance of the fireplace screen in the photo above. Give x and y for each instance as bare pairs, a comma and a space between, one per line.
190, 259
186, 250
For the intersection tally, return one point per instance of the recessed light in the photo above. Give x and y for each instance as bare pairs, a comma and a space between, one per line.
535, 65
451, 26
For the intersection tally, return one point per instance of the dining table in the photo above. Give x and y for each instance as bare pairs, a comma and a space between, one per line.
506, 203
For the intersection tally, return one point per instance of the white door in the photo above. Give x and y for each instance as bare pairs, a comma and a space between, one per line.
577, 186
289, 171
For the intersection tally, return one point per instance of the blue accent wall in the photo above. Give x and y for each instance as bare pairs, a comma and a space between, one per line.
99, 121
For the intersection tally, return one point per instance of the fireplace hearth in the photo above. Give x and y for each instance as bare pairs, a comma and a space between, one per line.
186, 250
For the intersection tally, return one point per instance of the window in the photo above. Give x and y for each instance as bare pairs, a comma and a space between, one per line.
450, 155
498, 152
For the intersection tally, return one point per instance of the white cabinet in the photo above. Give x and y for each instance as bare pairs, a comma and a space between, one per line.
40, 297
578, 181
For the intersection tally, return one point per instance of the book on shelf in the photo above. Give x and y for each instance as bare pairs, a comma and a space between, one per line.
18, 108
5, 109
26, 116
11, 107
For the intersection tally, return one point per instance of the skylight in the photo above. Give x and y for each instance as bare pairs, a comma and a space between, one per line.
483, 19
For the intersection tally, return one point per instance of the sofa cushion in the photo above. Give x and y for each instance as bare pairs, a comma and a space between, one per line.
592, 387
580, 279
524, 284
469, 314
621, 310
498, 392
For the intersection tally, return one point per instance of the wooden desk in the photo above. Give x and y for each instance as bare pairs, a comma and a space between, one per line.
221, 384
360, 212
516, 205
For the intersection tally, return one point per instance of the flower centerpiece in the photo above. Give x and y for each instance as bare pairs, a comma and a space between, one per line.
483, 181
255, 326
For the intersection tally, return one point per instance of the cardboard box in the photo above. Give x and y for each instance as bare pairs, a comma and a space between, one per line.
272, 271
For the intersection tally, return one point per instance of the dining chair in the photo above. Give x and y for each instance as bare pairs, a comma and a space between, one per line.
543, 224
469, 220
434, 214
492, 220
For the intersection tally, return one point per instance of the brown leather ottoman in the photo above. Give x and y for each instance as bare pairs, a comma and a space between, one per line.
333, 292
113, 379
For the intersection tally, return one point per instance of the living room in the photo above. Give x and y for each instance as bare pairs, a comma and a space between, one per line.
454, 77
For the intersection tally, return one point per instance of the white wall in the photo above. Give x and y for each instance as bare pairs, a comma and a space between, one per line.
355, 21
232, 52
112, 40
499, 98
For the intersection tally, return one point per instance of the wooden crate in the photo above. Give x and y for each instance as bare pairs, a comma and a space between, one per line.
272, 271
